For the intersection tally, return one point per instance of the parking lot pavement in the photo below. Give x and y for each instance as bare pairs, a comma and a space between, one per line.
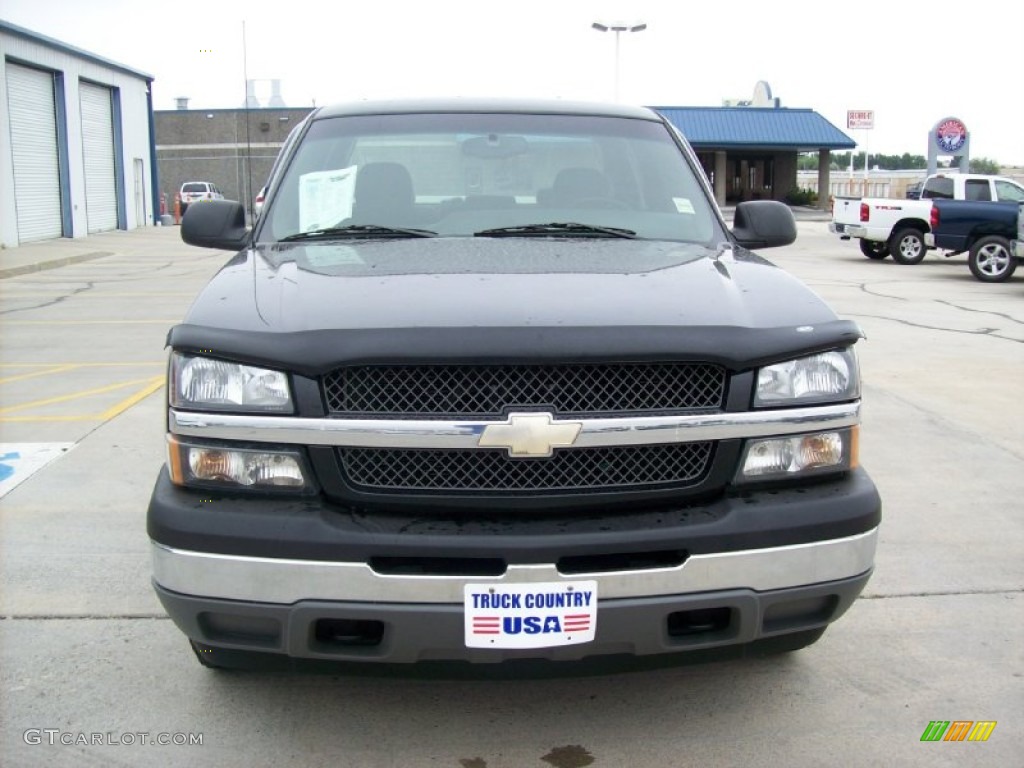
83, 341
85, 649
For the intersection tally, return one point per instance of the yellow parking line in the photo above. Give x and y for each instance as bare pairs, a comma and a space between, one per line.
75, 395
128, 402
32, 419
154, 384
49, 294
82, 365
90, 322
47, 372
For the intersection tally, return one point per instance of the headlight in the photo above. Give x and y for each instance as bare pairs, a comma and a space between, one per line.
799, 455
215, 385
826, 377
228, 467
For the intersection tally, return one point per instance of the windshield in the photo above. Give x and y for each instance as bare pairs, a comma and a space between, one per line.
473, 174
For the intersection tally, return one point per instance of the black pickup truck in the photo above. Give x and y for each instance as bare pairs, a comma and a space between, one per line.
986, 230
494, 380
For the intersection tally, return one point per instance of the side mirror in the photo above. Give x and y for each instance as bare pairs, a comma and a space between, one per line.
215, 224
763, 224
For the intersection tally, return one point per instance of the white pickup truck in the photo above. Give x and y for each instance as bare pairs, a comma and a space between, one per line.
897, 227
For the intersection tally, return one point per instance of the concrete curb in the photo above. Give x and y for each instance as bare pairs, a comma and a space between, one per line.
39, 266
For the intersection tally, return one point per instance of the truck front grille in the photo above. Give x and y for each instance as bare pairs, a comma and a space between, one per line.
404, 470
490, 391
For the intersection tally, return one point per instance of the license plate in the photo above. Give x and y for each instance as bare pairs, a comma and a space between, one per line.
530, 615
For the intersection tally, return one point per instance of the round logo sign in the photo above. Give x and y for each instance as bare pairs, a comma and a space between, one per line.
950, 135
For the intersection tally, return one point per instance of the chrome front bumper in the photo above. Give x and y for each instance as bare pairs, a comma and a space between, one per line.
345, 612
267, 580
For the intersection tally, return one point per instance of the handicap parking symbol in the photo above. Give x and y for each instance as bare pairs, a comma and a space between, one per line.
19, 461
6, 470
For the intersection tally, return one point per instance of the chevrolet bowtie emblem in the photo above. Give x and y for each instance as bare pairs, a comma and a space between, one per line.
530, 434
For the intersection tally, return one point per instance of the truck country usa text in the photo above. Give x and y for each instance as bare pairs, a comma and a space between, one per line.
578, 619
533, 601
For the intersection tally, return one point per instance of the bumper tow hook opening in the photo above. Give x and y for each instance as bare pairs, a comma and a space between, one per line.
348, 633
698, 622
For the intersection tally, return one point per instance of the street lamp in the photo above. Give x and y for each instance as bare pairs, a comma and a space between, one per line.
617, 28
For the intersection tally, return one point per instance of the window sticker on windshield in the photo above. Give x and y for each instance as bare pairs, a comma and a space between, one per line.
683, 204
325, 198
332, 256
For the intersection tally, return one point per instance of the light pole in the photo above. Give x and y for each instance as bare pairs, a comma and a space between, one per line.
617, 28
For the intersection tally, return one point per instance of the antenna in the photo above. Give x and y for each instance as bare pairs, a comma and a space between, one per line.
248, 142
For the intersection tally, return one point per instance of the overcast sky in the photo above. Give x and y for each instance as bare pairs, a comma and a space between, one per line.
911, 61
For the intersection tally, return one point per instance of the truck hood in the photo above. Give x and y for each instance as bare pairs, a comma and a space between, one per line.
315, 305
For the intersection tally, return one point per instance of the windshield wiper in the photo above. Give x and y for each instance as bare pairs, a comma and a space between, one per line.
357, 230
564, 228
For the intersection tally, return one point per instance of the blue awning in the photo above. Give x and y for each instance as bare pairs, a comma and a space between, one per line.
797, 130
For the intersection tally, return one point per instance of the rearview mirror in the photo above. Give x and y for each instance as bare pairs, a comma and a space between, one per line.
494, 145
215, 224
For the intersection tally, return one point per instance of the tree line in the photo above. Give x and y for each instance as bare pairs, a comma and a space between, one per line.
840, 161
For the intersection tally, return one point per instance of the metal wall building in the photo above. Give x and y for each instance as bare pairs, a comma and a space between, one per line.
77, 154
233, 148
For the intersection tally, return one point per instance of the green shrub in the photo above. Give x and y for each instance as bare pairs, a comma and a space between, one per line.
797, 196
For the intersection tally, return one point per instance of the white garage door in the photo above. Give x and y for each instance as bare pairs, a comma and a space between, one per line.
98, 157
34, 152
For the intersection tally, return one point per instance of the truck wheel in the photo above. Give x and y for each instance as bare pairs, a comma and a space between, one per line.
990, 260
907, 246
874, 249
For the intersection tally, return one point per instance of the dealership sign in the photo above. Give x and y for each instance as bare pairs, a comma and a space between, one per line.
950, 135
860, 119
